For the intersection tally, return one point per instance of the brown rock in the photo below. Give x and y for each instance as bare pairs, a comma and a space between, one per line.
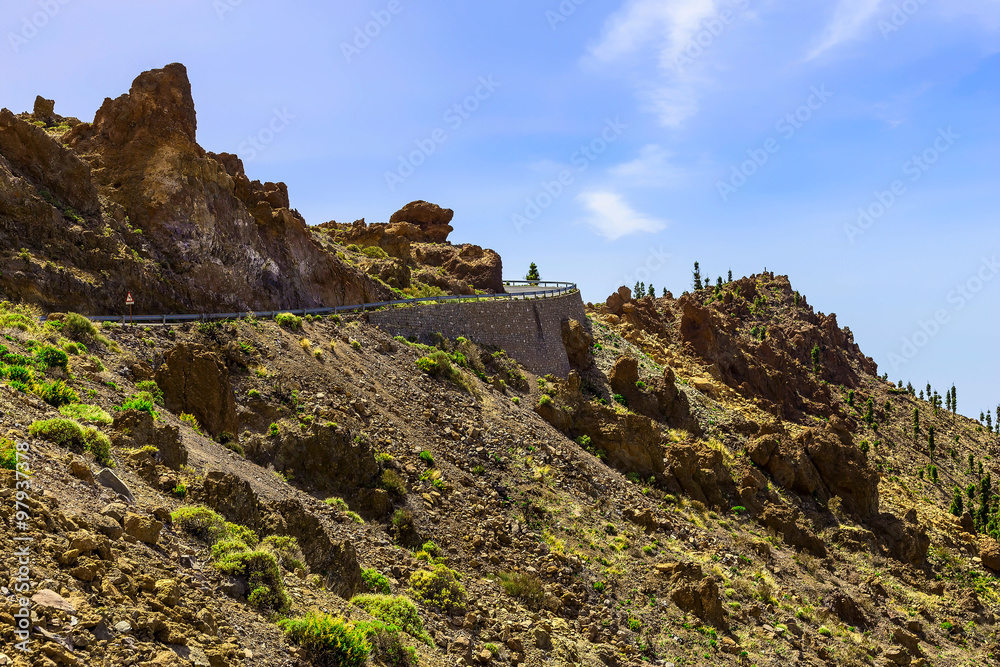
578, 343
784, 521
48, 600
989, 552
81, 471
168, 592
137, 428
143, 528
697, 594
195, 380
44, 110
431, 218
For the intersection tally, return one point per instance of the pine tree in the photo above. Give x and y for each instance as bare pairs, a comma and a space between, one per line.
972, 465
909, 388
957, 504
719, 283
916, 422
930, 441
850, 398
635, 290
981, 417
664, 292
730, 276
921, 394
989, 422
870, 413
652, 291
815, 359
697, 276
954, 400
928, 391
532, 272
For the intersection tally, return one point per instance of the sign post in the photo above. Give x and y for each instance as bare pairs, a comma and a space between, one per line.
129, 301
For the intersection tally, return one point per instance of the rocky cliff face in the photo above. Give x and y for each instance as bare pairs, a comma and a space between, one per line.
132, 202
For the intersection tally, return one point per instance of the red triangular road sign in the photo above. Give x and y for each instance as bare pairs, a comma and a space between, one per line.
129, 300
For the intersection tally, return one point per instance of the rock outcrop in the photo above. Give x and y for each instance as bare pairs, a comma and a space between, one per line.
195, 380
433, 223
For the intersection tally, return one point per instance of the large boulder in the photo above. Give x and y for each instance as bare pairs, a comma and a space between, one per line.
137, 429
699, 472
232, 497
578, 343
194, 380
466, 265
695, 593
433, 221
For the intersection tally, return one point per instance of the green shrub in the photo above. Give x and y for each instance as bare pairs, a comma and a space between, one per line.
141, 401
19, 386
331, 642
8, 454
75, 348
427, 457
339, 503
286, 549
200, 522
375, 581
180, 490
525, 587
260, 569
621, 400
393, 483
273, 429
439, 587
374, 252
288, 321
386, 644
544, 400
153, 389
355, 517
86, 413
69, 434
12, 359
396, 611
79, 328
253, 393
56, 393
52, 357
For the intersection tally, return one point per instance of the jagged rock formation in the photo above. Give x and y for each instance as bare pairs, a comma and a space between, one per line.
131, 202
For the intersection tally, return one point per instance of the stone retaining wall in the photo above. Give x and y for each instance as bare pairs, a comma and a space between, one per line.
530, 331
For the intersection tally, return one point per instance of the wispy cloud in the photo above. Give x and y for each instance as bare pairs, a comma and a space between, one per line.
668, 28
849, 19
652, 168
612, 217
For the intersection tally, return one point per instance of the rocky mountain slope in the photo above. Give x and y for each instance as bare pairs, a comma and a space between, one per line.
724, 479
131, 202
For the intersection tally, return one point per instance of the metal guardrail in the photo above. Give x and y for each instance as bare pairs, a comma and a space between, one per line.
556, 289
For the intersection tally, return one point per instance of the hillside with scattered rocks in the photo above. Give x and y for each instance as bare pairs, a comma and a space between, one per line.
723, 478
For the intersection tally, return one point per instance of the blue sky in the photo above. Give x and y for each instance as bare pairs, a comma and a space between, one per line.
609, 142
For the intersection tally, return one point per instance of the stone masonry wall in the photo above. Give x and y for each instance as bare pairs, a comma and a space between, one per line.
530, 331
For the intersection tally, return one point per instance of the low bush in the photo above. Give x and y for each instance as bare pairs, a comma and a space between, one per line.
394, 610
525, 587
56, 393
142, 401
52, 357
69, 434
331, 642
152, 389
86, 413
393, 483
20, 374
439, 587
288, 321
375, 581
8, 454
200, 522
74, 348
263, 575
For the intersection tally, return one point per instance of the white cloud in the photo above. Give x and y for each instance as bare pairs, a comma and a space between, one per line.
849, 18
668, 28
652, 168
612, 218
